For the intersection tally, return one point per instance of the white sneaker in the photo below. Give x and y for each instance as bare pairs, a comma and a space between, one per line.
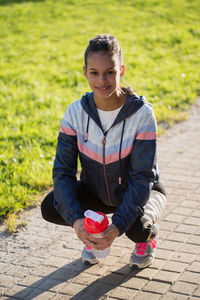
144, 254
88, 256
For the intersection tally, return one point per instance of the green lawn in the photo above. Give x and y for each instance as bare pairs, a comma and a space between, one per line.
41, 57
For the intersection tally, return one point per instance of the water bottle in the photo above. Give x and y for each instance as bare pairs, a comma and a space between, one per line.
96, 223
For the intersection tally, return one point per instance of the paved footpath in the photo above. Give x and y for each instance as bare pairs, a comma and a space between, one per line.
42, 261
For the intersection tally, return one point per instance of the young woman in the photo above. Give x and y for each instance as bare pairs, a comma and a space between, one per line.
114, 133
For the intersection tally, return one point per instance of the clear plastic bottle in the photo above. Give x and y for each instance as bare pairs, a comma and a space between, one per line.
96, 223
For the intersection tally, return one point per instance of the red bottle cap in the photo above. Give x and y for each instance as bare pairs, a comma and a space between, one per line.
95, 222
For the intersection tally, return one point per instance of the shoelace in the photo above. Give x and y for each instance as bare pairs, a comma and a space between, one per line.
141, 248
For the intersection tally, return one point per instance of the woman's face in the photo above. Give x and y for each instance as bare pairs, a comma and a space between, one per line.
103, 73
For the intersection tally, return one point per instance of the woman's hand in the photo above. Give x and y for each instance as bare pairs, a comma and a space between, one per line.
108, 237
88, 239
82, 234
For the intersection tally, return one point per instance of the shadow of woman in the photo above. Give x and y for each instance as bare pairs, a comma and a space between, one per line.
57, 282
60, 276
97, 289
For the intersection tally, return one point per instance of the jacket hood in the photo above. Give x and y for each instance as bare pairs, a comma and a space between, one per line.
132, 104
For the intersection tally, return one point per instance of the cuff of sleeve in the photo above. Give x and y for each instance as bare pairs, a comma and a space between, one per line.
72, 218
75, 217
120, 223
123, 224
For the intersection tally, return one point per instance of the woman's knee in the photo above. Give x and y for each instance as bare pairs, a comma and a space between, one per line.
47, 206
43, 211
158, 186
48, 211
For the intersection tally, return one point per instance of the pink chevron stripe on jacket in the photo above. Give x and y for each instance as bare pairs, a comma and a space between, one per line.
108, 159
146, 136
67, 131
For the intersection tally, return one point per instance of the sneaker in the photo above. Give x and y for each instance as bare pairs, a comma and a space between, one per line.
88, 256
144, 254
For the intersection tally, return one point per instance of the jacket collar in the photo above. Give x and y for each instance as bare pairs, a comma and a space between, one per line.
132, 104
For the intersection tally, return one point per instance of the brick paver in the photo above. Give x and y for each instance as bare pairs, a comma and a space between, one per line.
42, 260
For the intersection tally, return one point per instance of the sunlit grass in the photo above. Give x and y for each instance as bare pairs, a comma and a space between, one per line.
41, 56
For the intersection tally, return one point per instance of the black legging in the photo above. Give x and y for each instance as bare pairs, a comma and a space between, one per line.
136, 233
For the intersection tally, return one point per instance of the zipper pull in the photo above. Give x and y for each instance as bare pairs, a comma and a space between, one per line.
104, 140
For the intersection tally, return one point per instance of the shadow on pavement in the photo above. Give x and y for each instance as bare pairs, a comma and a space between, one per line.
103, 285
62, 275
50, 281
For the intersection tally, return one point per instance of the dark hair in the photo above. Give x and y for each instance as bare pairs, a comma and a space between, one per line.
106, 43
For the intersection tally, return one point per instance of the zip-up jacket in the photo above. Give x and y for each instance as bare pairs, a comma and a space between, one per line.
119, 166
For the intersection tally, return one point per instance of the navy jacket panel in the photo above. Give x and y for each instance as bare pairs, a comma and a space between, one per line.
65, 182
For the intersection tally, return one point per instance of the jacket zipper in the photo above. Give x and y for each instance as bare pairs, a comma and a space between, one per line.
104, 167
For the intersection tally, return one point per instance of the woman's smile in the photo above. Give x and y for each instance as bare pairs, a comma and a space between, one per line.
103, 89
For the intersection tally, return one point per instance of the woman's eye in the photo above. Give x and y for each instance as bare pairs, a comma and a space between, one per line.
110, 72
93, 73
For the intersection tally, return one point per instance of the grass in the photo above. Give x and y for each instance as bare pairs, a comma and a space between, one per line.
41, 56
